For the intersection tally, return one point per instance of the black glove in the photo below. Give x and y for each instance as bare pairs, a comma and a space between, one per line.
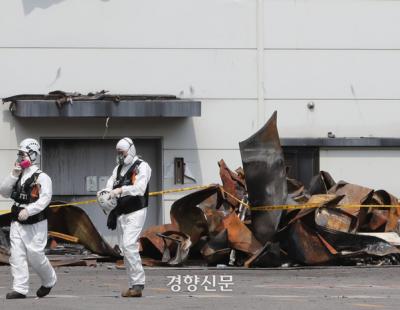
112, 220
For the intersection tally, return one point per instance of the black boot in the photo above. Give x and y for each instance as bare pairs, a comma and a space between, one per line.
135, 291
43, 291
14, 295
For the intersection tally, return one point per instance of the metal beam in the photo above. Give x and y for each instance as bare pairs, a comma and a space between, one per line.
341, 142
107, 108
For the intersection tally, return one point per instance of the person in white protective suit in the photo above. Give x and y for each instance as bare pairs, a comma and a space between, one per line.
125, 200
31, 190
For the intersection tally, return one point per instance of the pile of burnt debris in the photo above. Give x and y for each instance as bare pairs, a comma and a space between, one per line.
73, 239
327, 223
334, 224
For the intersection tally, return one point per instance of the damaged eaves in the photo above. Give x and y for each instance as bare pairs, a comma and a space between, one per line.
101, 104
341, 142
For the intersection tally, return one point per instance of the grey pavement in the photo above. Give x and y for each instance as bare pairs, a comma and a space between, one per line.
279, 288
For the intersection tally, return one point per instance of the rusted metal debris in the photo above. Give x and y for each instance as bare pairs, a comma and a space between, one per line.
151, 244
65, 237
223, 231
72, 226
176, 251
74, 260
188, 217
321, 183
74, 221
233, 183
265, 174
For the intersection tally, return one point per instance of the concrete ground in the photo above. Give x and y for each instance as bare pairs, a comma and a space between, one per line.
283, 288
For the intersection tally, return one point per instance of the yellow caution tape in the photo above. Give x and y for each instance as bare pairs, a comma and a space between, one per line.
234, 198
85, 202
77, 203
302, 206
259, 208
177, 190
316, 205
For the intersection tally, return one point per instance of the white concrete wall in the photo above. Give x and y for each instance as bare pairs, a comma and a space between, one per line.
341, 54
175, 24
193, 49
242, 58
373, 168
344, 56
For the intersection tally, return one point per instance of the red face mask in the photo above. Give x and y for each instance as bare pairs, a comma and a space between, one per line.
26, 163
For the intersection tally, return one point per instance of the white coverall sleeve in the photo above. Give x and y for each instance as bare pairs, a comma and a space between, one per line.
45, 194
111, 180
142, 179
7, 185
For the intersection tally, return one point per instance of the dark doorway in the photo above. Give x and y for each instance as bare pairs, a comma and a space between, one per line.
302, 163
80, 167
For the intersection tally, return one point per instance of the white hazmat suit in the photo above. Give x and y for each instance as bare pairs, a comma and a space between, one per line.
129, 226
29, 240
